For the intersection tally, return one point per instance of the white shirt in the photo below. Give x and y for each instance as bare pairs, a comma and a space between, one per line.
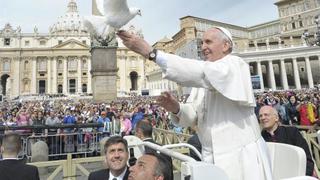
120, 177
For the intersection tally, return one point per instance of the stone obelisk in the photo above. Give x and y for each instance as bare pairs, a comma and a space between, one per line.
103, 69
104, 73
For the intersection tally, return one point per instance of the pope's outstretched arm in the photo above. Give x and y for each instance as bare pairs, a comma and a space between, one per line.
141, 47
135, 43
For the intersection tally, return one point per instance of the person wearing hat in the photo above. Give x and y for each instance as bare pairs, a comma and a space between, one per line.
221, 101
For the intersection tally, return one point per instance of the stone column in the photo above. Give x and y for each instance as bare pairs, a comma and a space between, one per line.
296, 73
259, 70
54, 76
15, 89
309, 72
49, 75
104, 73
34, 76
284, 75
79, 76
65, 76
89, 85
272, 80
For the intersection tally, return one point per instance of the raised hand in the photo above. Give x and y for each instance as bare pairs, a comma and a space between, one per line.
135, 43
167, 101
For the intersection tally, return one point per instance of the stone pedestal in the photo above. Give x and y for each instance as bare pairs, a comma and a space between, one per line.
104, 73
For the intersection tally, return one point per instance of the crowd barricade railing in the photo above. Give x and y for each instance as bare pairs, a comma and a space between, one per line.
61, 144
62, 139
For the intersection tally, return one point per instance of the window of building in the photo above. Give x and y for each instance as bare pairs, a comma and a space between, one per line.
42, 65
26, 43
60, 65
60, 89
60, 42
300, 23
42, 86
59, 74
72, 86
84, 64
293, 25
7, 41
72, 64
26, 63
84, 88
43, 43
84, 42
6, 66
84, 74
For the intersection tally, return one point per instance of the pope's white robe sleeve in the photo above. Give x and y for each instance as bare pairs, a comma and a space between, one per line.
187, 113
230, 75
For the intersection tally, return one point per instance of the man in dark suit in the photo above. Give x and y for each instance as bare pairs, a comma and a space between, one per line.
116, 150
143, 130
273, 132
12, 168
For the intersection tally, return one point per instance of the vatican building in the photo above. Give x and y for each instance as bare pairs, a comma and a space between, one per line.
283, 54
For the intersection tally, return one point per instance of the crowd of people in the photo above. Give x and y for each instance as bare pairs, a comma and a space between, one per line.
125, 111
299, 107
295, 107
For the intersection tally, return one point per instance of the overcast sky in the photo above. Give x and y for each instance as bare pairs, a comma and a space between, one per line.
159, 17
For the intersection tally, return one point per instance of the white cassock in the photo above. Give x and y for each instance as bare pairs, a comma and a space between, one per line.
222, 102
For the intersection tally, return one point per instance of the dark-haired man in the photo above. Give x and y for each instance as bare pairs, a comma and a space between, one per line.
151, 166
12, 168
116, 150
143, 130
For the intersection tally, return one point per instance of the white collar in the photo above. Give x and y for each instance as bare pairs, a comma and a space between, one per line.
120, 177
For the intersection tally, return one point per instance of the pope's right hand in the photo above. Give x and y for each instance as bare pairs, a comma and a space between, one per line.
169, 102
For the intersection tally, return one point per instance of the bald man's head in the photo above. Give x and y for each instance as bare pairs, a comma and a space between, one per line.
268, 117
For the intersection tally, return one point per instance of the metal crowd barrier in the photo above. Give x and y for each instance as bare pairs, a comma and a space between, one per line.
81, 140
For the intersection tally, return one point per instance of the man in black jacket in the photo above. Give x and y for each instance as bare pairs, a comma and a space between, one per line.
116, 150
143, 130
12, 168
273, 132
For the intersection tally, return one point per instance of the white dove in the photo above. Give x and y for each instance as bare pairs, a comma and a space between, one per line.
117, 12
114, 15
96, 25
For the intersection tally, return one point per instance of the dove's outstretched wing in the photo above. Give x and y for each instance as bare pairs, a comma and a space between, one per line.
96, 25
114, 7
